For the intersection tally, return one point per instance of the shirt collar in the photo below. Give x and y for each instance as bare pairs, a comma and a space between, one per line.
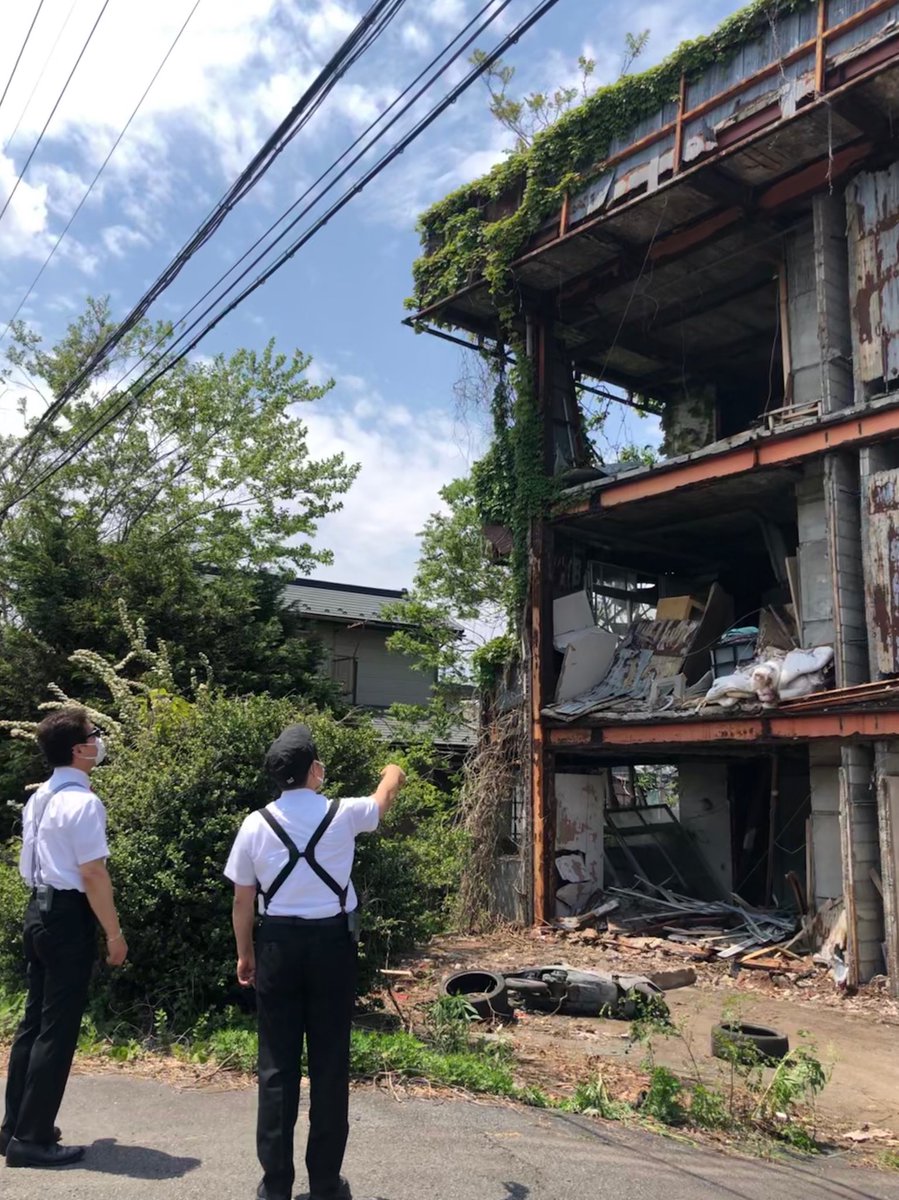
62, 775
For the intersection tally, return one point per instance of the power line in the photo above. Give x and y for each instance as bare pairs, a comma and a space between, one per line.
150, 378
490, 5
365, 33
43, 71
102, 168
40, 137
15, 65
248, 178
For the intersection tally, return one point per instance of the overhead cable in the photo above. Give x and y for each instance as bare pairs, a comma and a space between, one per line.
248, 178
40, 137
157, 371
102, 168
22, 49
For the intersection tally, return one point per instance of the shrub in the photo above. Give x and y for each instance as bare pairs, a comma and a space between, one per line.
176, 791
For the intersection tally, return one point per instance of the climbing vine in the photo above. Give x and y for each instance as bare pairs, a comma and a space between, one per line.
478, 231
462, 243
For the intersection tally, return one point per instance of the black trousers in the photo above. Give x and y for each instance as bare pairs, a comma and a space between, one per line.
305, 989
60, 950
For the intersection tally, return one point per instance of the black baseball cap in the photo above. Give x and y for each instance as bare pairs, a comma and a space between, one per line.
291, 755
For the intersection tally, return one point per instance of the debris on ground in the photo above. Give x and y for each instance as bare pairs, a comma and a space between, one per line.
556, 988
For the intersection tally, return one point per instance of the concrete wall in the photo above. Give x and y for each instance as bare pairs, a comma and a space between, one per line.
860, 835
580, 808
841, 494
887, 772
818, 308
382, 676
815, 575
704, 811
826, 849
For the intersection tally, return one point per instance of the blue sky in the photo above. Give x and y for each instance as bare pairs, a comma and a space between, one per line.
398, 407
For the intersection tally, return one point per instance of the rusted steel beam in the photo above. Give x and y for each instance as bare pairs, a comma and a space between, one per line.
541, 617
820, 49
795, 727
679, 125
774, 451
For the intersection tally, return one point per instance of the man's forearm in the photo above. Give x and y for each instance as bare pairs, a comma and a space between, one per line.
98, 887
243, 919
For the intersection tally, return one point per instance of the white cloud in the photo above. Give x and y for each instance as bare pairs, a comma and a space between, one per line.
119, 239
415, 37
25, 221
406, 458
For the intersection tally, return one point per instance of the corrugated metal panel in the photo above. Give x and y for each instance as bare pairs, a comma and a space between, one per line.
872, 210
781, 36
341, 604
883, 591
843, 45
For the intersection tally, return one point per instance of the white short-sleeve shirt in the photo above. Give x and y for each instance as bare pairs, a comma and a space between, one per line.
71, 831
258, 854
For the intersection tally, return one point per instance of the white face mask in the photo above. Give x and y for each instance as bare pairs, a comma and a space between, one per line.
100, 746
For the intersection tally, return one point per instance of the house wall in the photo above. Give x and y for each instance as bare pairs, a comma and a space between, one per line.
383, 677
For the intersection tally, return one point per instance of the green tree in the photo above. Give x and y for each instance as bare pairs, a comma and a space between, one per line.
459, 598
532, 113
193, 508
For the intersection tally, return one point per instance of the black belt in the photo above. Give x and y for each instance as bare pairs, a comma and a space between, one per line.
340, 919
64, 895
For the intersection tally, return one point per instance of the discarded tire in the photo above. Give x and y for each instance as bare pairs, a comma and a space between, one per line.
749, 1042
485, 991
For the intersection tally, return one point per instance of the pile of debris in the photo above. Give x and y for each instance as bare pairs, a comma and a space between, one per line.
703, 930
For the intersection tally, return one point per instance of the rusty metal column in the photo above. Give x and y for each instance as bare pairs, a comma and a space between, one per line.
540, 618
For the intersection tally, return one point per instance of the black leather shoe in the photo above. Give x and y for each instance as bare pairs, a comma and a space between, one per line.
37, 1154
341, 1192
5, 1139
263, 1194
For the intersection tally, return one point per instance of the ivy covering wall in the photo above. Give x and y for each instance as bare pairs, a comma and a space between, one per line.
462, 245
465, 246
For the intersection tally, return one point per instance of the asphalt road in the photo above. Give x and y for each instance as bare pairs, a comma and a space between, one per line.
146, 1139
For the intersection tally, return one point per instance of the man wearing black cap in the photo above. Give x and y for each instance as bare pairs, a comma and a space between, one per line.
296, 855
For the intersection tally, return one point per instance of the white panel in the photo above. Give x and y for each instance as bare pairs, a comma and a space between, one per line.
580, 805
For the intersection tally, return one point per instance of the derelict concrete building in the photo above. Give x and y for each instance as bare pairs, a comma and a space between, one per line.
732, 263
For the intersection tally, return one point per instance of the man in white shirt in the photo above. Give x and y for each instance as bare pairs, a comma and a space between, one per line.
297, 854
63, 862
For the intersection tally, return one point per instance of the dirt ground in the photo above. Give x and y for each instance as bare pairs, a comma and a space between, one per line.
858, 1035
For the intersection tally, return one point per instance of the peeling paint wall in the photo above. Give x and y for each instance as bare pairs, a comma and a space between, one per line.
882, 499
580, 815
872, 212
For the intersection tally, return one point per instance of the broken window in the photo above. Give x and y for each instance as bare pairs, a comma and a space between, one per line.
619, 596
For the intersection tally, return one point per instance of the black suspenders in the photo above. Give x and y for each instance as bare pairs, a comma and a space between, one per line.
294, 855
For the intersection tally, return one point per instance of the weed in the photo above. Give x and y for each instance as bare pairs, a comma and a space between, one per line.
890, 1160
591, 1097
663, 1097
708, 1108
449, 1022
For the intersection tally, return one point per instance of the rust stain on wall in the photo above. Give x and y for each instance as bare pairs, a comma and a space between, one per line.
882, 597
872, 211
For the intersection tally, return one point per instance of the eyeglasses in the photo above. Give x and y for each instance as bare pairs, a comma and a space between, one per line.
93, 732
